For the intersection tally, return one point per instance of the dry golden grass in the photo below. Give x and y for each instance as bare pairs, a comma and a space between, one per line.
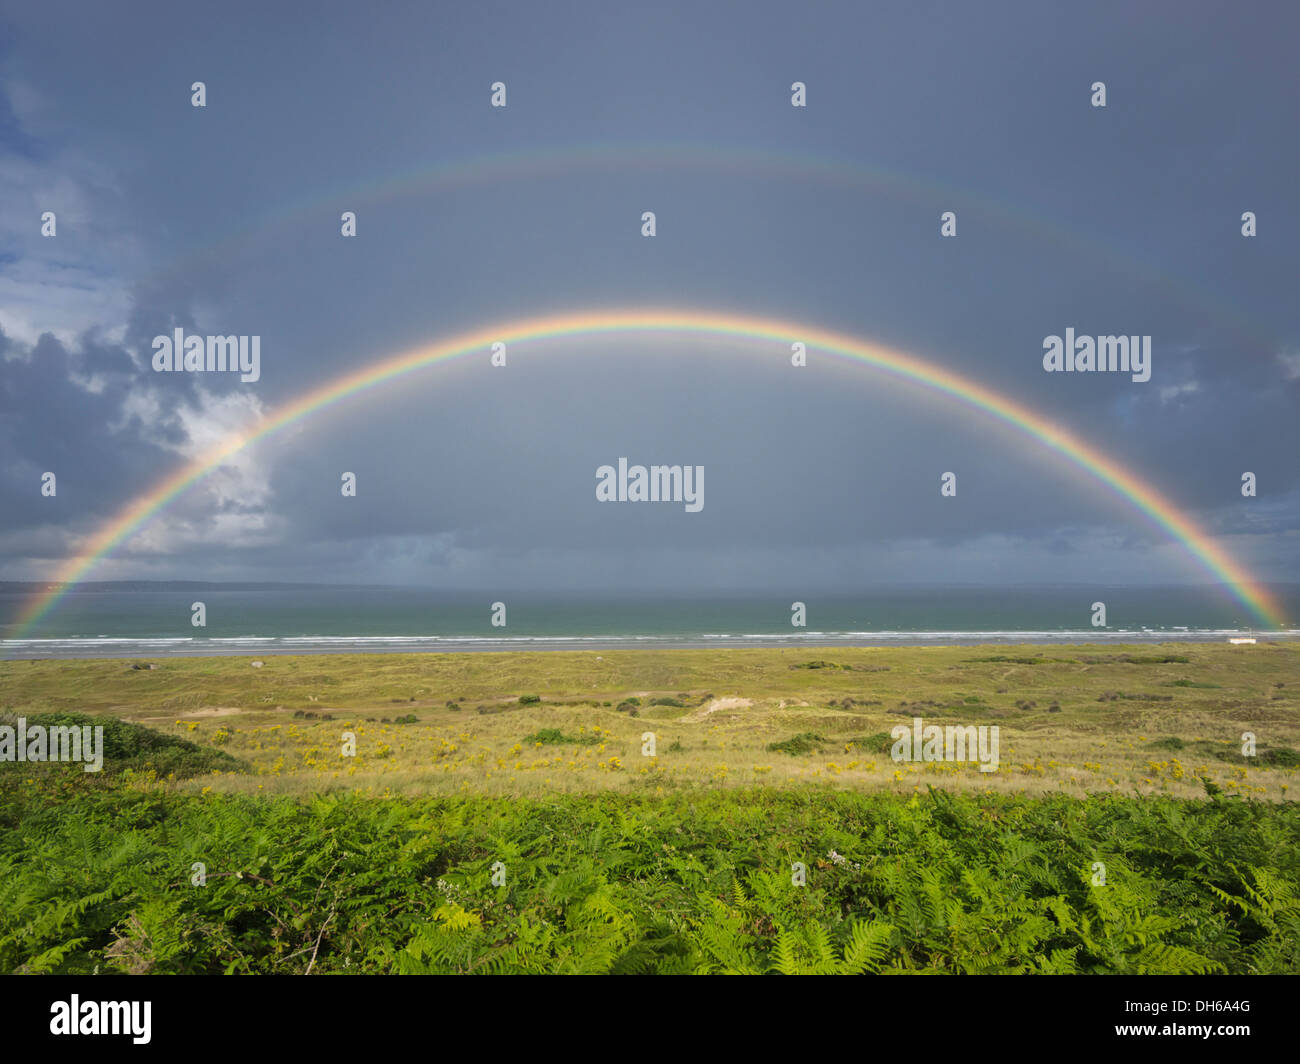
1080, 719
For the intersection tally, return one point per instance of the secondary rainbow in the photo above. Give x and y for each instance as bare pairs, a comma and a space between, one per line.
899, 364
746, 163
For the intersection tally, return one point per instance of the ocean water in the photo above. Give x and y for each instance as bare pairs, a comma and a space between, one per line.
305, 619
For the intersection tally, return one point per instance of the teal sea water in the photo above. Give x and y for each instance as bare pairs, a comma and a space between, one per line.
249, 619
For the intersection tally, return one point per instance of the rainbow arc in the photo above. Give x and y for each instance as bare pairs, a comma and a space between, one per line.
897, 364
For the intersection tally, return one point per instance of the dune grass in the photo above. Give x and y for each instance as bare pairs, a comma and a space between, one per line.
1076, 720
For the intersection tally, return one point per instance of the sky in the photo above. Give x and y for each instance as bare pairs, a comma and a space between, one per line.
225, 220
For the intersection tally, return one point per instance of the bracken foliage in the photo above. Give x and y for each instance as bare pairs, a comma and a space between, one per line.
100, 880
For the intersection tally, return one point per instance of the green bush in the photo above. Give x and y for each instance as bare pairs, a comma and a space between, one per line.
878, 742
131, 747
803, 743
1283, 756
555, 737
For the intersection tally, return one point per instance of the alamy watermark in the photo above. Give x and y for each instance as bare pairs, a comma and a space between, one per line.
658, 483
1101, 354
179, 353
56, 743
953, 742
78, 1017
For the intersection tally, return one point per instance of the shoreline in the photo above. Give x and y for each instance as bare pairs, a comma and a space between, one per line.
77, 649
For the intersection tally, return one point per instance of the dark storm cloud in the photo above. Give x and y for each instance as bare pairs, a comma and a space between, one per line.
51, 420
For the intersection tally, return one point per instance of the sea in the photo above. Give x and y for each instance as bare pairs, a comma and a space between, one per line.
142, 620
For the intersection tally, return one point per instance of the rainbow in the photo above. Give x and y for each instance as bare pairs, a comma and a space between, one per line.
899, 365
742, 162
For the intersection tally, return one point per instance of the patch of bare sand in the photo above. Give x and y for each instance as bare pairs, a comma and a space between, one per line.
210, 711
719, 703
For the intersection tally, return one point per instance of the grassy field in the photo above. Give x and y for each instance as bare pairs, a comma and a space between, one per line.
1074, 720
